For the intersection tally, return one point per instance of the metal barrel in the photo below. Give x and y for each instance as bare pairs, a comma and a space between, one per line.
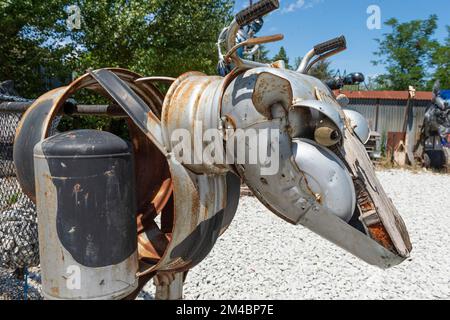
86, 207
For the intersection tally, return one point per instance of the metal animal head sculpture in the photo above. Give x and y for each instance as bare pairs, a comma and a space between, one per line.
282, 132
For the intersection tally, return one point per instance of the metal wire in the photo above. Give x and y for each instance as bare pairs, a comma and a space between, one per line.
18, 222
19, 247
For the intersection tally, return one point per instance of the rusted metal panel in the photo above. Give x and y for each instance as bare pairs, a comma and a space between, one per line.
385, 95
387, 115
192, 104
393, 140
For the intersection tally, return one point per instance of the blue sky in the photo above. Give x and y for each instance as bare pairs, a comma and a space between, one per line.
308, 22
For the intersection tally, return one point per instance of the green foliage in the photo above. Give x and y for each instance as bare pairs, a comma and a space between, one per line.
441, 62
407, 54
164, 37
321, 70
263, 55
13, 199
153, 37
30, 42
282, 55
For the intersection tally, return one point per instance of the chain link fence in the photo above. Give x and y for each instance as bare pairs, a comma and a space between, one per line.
19, 245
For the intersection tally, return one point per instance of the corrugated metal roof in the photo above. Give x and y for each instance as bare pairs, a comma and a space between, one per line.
385, 95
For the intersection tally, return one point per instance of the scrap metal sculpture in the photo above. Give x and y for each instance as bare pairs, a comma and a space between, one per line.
324, 179
435, 136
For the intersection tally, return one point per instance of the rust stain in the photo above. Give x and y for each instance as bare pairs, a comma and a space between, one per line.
379, 234
55, 291
77, 188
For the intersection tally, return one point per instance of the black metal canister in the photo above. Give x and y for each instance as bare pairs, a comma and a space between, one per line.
86, 209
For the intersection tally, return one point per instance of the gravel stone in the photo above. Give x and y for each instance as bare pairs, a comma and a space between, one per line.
263, 257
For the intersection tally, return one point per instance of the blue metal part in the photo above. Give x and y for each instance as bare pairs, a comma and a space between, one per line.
25, 284
445, 94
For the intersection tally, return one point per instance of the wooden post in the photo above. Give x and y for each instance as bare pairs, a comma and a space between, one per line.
404, 151
410, 138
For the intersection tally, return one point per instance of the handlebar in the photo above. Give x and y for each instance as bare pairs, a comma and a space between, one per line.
254, 42
338, 43
255, 11
245, 17
323, 50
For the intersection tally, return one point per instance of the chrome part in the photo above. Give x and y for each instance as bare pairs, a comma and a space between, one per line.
327, 177
343, 100
313, 177
302, 68
156, 79
359, 125
327, 134
323, 111
345, 236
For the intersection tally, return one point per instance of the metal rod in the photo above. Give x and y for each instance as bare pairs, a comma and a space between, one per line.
14, 107
69, 109
95, 110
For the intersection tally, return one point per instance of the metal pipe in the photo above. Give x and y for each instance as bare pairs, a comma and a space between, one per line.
156, 79
69, 109
14, 107
322, 57
305, 61
233, 29
95, 110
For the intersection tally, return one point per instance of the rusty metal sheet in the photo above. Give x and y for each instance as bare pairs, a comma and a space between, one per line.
192, 104
199, 203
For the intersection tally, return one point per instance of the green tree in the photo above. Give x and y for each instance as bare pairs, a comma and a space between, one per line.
31, 37
406, 53
151, 37
262, 55
441, 63
154, 37
282, 55
166, 37
322, 70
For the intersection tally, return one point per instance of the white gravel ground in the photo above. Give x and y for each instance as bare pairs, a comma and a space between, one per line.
263, 257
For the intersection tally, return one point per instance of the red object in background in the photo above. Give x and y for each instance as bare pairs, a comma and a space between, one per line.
385, 95
393, 141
